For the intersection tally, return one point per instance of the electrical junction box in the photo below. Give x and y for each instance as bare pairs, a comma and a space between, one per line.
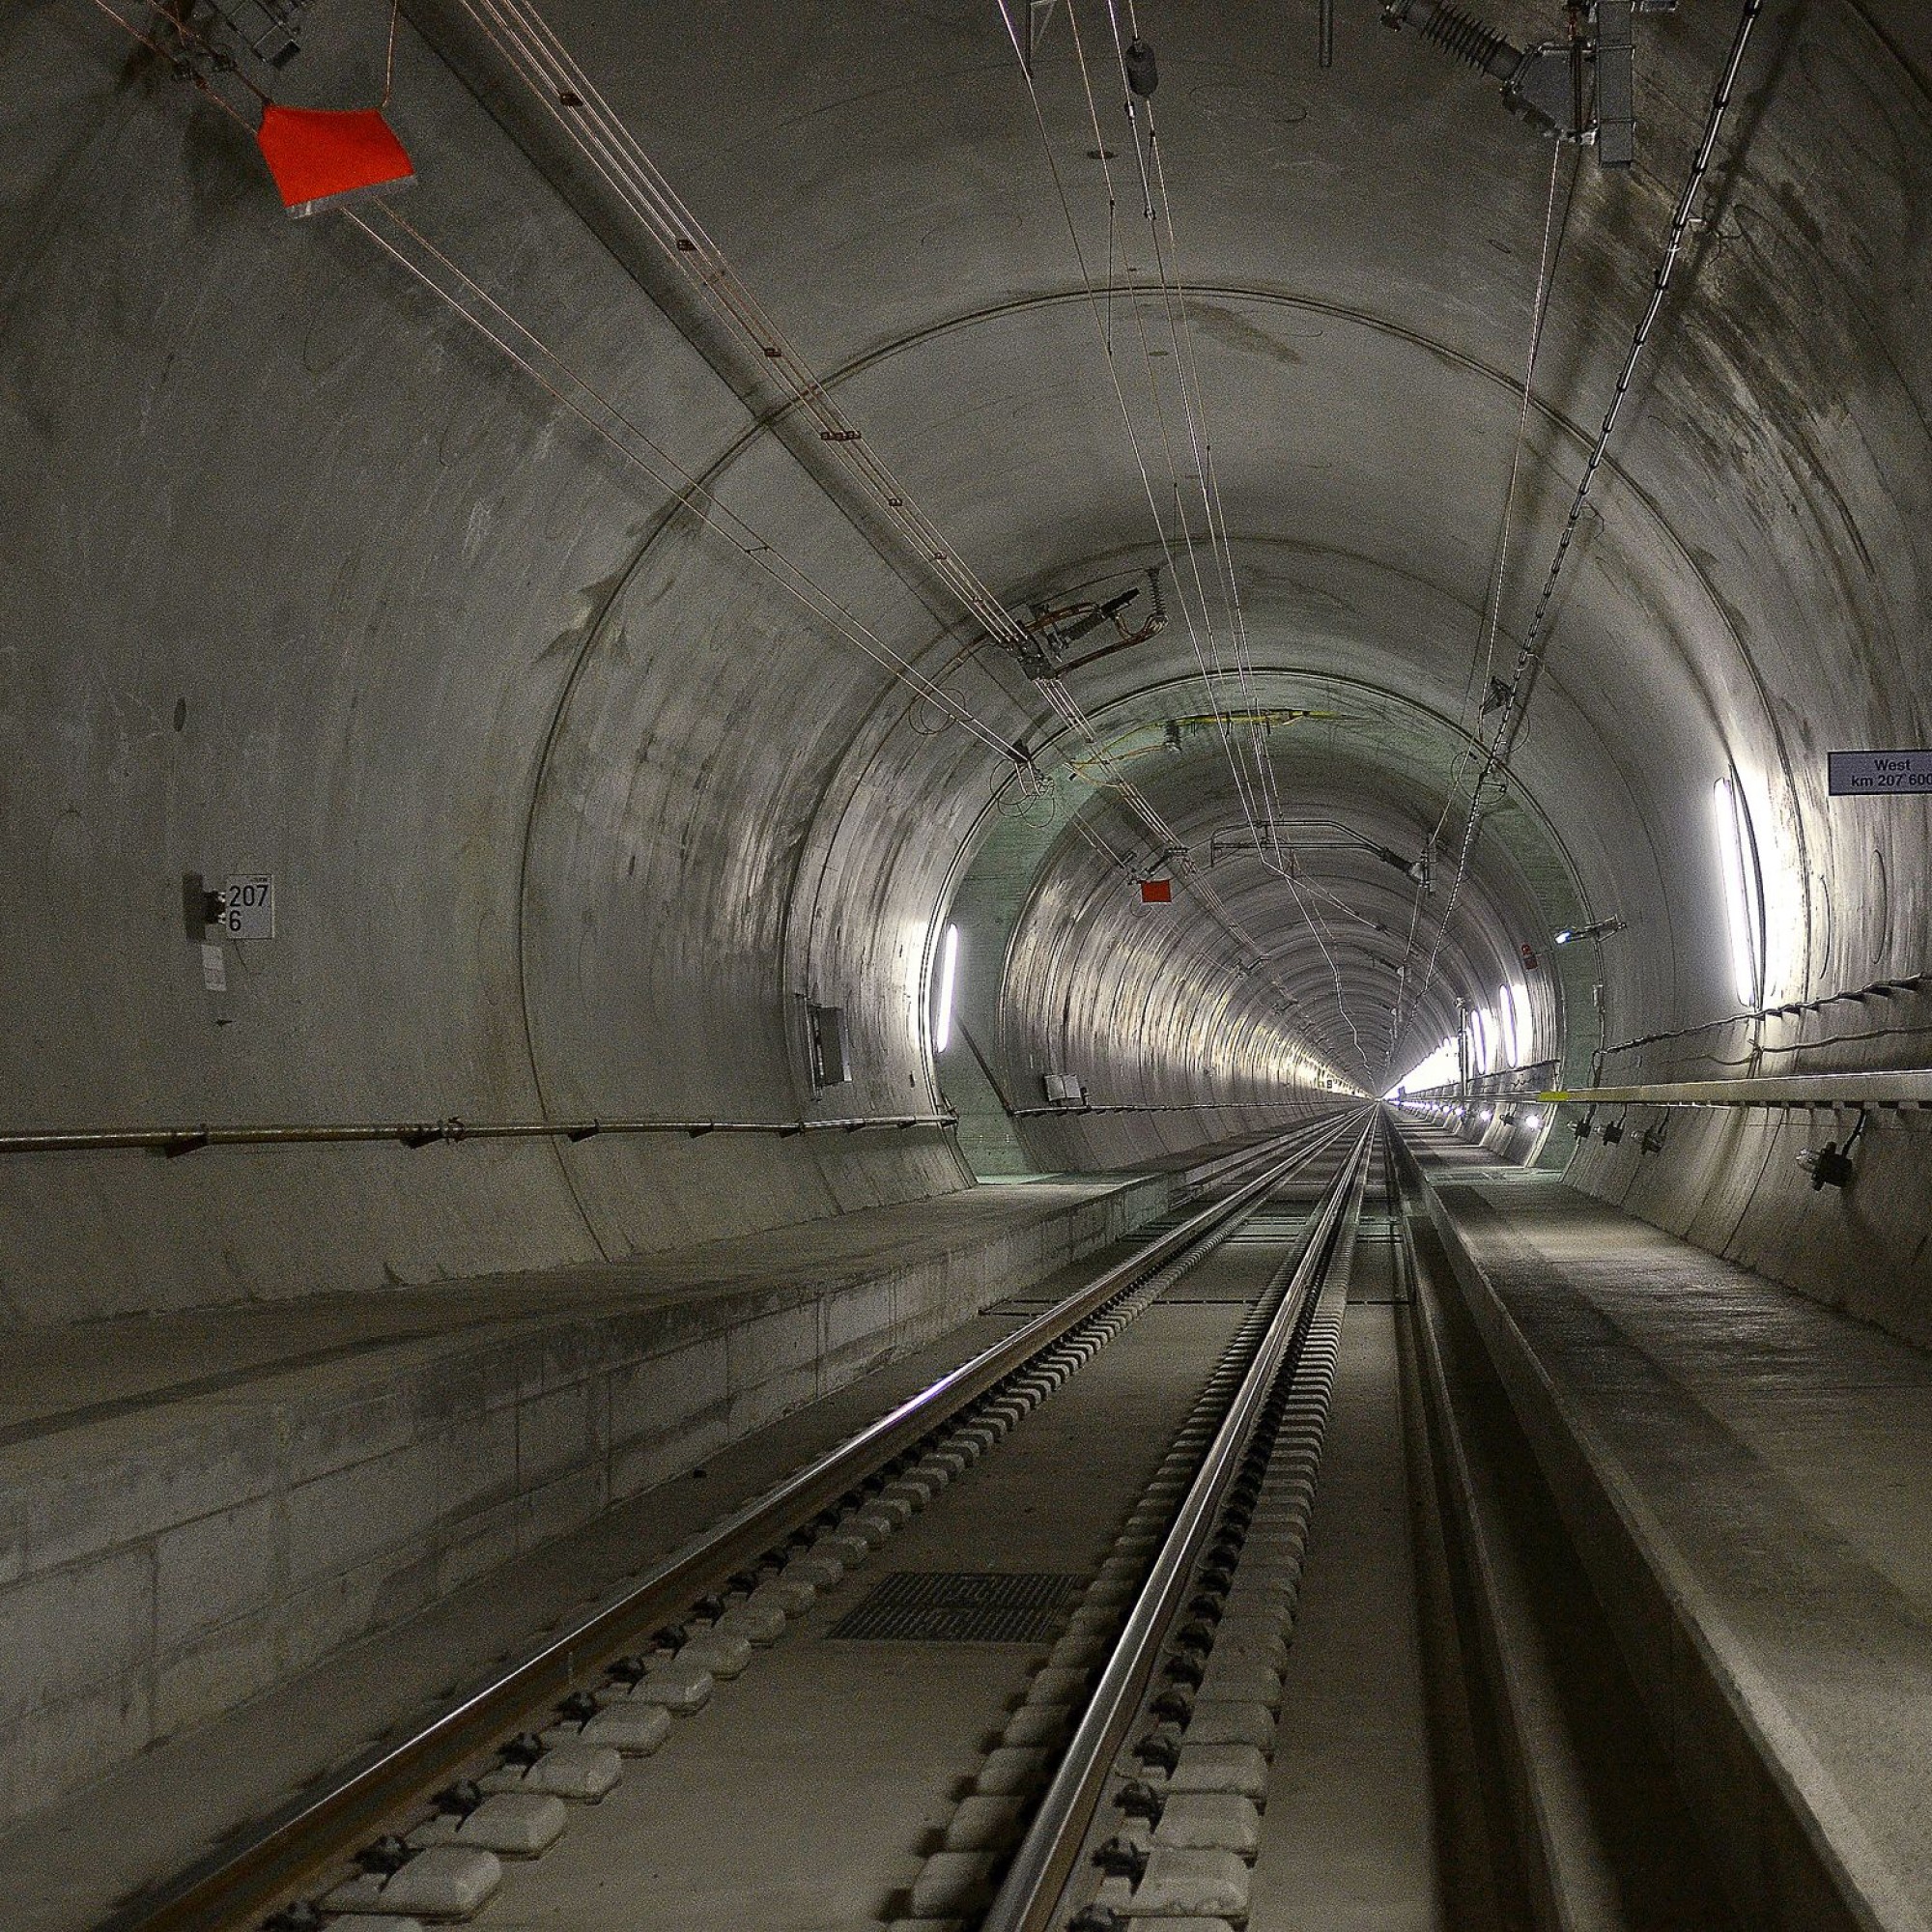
830, 1050
1065, 1090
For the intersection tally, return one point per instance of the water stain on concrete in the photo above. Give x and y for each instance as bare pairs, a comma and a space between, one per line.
1234, 330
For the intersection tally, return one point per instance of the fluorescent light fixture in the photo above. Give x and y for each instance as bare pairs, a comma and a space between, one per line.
1733, 831
1481, 1050
1514, 1001
948, 973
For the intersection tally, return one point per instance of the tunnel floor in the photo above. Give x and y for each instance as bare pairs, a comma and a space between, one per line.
1745, 1471
1618, 1592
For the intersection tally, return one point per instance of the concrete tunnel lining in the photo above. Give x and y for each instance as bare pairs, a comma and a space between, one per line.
574, 812
1728, 684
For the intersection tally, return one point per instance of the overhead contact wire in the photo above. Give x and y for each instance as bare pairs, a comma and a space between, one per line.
525, 39
1193, 883
1197, 612
1153, 178
672, 477
678, 232
1532, 651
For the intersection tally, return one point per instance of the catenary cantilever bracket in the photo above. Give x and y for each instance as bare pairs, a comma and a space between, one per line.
1582, 88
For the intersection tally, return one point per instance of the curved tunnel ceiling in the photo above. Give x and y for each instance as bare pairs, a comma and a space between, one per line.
1000, 415
583, 809
1362, 780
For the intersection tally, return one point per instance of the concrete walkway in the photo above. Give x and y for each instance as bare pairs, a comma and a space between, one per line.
1749, 1475
61, 1378
71, 1857
197, 1507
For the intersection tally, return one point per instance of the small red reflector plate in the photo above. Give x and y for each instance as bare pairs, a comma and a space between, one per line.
321, 155
1157, 892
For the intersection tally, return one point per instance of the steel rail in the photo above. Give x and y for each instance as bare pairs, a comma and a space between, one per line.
1030, 1899
1229, 1168
253, 1869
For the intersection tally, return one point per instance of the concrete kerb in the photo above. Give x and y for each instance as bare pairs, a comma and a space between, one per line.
1790, 1848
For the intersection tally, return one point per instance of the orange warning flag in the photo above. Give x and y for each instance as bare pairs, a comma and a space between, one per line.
321, 156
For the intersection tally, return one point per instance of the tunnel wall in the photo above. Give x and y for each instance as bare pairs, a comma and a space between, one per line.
440, 663
1145, 1005
1730, 1179
303, 580
1804, 380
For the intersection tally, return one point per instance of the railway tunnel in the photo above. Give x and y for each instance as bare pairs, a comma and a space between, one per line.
968, 965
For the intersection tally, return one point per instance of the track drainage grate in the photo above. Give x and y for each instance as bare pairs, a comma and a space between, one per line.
963, 1606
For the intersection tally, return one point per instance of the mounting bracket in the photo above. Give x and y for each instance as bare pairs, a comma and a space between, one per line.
1052, 629
1582, 88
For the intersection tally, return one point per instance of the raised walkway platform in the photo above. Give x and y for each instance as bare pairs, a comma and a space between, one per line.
326, 1521
1748, 1478
197, 1507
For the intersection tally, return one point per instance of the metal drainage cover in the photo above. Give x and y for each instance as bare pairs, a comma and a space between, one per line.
963, 1606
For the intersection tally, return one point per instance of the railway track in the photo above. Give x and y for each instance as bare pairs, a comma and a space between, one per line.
1030, 1653
1153, 1810
468, 1814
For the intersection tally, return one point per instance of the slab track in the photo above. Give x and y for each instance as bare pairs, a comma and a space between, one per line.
1072, 1638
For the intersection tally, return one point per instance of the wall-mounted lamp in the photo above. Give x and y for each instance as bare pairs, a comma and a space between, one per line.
1482, 1045
1736, 849
948, 973
1512, 1000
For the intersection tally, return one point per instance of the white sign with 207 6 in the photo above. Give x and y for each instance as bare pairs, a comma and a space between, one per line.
248, 906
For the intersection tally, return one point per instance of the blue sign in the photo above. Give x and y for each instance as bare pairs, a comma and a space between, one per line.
1855, 773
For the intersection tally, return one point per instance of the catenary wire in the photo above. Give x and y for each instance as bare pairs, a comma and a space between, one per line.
1533, 650
1208, 658
1182, 340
